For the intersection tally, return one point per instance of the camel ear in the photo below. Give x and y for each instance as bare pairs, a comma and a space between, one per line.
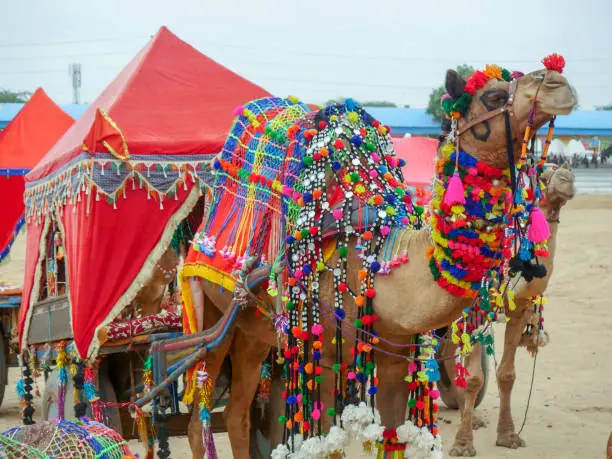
454, 84
565, 165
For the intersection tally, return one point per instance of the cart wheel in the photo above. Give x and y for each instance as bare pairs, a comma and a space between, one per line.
3, 368
448, 390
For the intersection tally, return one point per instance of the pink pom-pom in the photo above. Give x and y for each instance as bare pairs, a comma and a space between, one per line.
296, 196
299, 398
298, 274
373, 173
338, 214
434, 394
405, 220
384, 230
538, 226
351, 375
316, 415
444, 97
287, 190
455, 194
375, 157
393, 161
238, 111
317, 329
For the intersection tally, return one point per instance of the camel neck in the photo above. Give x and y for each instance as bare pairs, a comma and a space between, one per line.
468, 237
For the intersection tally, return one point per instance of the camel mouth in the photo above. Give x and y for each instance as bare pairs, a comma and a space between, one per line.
570, 102
568, 196
556, 110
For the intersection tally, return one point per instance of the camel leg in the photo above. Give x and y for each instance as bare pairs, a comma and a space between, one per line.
506, 374
464, 440
392, 396
214, 361
247, 354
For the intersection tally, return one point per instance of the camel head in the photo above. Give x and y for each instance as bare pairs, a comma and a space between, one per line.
548, 90
560, 186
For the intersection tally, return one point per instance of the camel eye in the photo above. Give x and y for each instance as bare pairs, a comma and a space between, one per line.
498, 98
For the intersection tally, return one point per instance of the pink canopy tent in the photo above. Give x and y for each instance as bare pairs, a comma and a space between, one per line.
121, 180
420, 156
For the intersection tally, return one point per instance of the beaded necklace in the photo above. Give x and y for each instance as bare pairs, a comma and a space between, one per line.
468, 230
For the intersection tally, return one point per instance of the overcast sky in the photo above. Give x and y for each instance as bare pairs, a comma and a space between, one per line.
316, 49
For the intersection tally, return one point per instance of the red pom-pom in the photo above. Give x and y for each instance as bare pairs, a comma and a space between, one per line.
554, 62
339, 144
476, 81
322, 125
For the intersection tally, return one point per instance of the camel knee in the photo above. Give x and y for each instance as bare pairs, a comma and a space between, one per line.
474, 383
506, 379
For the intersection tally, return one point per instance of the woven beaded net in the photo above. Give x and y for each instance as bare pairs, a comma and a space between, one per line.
83, 439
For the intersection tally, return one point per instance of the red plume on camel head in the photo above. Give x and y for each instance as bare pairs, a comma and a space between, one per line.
554, 62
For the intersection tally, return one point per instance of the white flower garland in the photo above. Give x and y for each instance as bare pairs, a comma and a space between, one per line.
361, 423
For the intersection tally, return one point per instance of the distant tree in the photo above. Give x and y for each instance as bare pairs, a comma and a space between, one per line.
378, 103
433, 107
7, 96
368, 103
604, 107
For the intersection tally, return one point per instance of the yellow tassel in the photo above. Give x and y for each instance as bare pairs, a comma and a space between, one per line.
143, 430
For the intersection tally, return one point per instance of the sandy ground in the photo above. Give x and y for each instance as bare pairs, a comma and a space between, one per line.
570, 414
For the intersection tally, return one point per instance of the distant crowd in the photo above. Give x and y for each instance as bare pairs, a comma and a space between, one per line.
580, 161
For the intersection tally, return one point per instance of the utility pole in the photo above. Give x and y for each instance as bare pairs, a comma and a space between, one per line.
74, 70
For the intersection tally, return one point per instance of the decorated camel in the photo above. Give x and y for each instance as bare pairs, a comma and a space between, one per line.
427, 287
523, 329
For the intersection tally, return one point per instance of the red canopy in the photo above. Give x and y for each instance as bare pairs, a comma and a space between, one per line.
420, 155
170, 99
37, 126
128, 172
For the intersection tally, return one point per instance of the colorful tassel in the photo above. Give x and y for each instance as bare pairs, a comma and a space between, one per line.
455, 194
91, 392
205, 385
538, 226
61, 361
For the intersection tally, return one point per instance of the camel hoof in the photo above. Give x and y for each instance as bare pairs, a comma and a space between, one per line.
462, 451
478, 423
512, 441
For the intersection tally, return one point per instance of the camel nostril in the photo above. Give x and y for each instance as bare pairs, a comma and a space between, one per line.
554, 84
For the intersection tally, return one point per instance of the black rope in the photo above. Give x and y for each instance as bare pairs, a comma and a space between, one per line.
535, 358
80, 407
510, 148
28, 411
161, 420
